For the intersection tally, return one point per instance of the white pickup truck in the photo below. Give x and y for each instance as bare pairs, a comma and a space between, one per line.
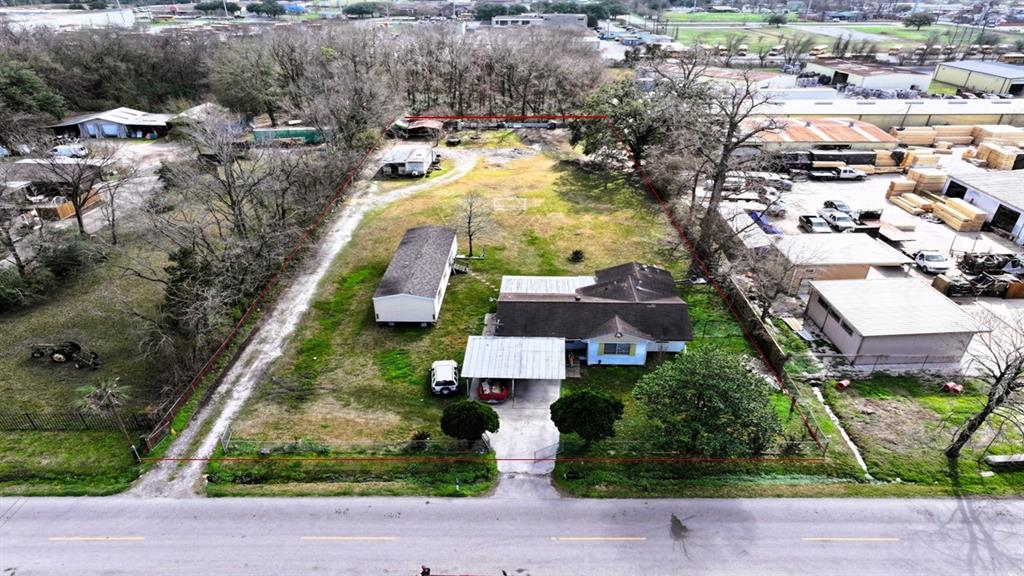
837, 174
840, 221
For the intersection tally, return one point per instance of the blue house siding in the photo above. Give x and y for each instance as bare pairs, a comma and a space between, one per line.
596, 355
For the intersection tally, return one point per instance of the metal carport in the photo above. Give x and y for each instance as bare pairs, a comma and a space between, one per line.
514, 358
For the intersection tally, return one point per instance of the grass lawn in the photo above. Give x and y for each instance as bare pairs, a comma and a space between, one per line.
905, 34
709, 17
903, 423
90, 310
753, 37
345, 381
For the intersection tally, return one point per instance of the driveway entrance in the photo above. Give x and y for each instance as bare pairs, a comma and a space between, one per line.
526, 429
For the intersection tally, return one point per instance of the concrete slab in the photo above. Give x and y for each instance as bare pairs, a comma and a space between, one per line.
526, 428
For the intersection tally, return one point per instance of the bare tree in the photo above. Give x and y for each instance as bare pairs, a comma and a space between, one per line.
796, 48
475, 217
1000, 360
732, 45
775, 273
119, 177
78, 178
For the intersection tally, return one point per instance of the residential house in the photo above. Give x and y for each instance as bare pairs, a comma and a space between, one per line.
617, 316
116, 123
413, 286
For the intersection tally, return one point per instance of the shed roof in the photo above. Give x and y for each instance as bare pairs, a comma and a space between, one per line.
862, 68
514, 358
126, 116
402, 154
998, 69
838, 249
418, 266
1006, 186
824, 130
895, 307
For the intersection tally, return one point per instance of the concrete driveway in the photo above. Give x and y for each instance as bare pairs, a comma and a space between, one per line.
526, 430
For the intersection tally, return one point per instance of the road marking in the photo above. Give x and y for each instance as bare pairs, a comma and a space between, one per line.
349, 538
598, 538
850, 539
97, 538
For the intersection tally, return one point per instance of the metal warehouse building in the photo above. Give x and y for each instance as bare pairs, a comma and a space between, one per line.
1000, 194
865, 75
997, 77
891, 113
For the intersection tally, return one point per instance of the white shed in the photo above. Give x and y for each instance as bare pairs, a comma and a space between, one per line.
412, 288
891, 321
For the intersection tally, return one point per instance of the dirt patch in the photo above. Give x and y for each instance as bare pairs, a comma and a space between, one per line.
325, 419
894, 425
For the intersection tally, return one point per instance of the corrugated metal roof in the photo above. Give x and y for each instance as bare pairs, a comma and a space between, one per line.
1000, 69
863, 68
544, 284
847, 107
838, 249
402, 154
1006, 186
825, 130
127, 116
894, 307
514, 358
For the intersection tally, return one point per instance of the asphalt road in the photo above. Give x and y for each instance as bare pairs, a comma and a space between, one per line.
364, 536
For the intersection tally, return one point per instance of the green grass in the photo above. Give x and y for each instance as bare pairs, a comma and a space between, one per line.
910, 35
64, 463
709, 17
902, 424
752, 37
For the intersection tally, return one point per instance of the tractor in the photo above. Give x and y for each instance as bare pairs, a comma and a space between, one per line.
67, 352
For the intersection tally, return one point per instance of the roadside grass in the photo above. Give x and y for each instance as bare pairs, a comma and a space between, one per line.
903, 423
364, 385
90, 310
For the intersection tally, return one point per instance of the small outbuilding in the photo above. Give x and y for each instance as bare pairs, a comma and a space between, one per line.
891, 321
995, 77
833, 257
1000, 194
868, 75
413, 286
408, 161
117, 123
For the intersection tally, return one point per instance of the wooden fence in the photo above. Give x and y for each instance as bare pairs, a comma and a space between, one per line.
71, 421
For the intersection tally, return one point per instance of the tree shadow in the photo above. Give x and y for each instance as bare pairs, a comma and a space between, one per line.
597, 192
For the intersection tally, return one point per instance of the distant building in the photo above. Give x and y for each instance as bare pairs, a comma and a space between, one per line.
548, 20
833, 257
996, 77
408, 161
805, 133
116, 123
868, 75
898, 112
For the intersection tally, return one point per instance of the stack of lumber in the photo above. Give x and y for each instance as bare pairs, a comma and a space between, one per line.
998, 156
997, 132
884, 158
960, 215
900, 186
928, 179
943, 147
955, 134
828, 164
915, 158
865, 168
914, 136
912, 203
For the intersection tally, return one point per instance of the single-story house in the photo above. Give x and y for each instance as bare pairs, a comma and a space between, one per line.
117, 123
805, 133
1000, 194
847, 256
891, 321
408, 161
996, 77
868, 75
616, 316
413, 286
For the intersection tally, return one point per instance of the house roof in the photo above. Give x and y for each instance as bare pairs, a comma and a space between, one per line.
895, 307
544, 284
127, 116
838, 249
999, 69
631, 298
1006, 186
823, 130
402, 154
862, 69
418, 266
514, 358
426, 124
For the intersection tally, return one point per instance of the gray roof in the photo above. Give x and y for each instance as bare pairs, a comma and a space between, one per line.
1006, 186
403, 154
126, 116
631, 298
895, 307
544, 284
419, 263
514, 358
999, 69
838, 249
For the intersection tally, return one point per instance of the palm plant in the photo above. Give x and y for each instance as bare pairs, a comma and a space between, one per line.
106, 397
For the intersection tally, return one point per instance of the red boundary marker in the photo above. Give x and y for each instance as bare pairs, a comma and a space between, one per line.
332, 201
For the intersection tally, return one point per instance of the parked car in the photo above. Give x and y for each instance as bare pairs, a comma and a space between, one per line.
814, 225
932, 262
444, 378
4, 152
840, 221
493, 391
838, 205
837, 174
68, 151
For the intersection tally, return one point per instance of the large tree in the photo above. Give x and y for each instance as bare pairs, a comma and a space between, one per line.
24, 98
591, 415
706, 402
918, 20
484, 11
80, 179
468, 420
634, 119
246, 78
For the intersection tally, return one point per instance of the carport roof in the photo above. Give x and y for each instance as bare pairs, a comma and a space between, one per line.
519, 358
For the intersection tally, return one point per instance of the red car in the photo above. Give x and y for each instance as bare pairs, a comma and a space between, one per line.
493, 391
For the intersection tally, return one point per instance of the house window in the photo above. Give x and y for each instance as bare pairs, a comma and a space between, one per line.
615, 349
